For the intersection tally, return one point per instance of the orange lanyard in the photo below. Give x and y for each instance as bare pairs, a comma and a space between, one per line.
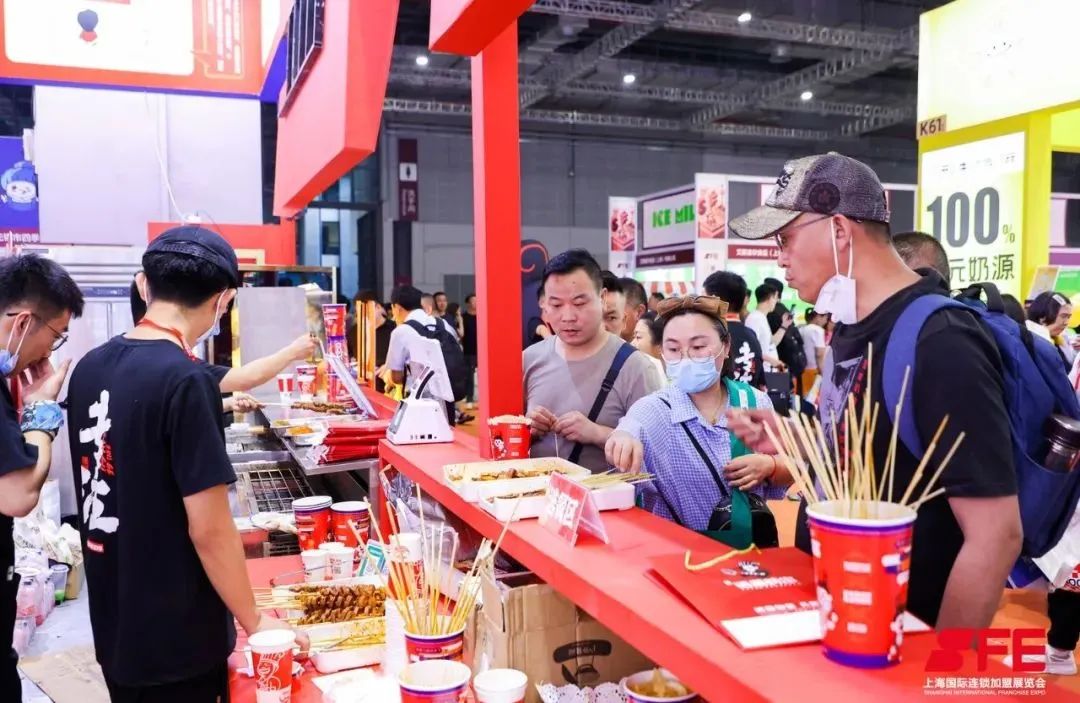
172, 331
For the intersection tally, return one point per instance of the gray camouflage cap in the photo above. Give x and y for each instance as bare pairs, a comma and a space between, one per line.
828, 184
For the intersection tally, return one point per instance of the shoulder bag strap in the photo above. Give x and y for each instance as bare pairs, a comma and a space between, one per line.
606, 385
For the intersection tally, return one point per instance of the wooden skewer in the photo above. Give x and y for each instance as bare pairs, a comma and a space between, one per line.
941, 468
926, 457
890, 459
926, 498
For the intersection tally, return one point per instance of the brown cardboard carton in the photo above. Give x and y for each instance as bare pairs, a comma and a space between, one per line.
534, 629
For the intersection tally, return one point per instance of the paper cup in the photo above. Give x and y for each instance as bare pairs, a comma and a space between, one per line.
272, 663
334, 319
286, 384
644, 676
434, 682
405, 549
448, 647
500, 686
312, 520
509, 440
340, 562
305, 384
314, 565
355, 511
861, 571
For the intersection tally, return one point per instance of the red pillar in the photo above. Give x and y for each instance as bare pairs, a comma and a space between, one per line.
497, 217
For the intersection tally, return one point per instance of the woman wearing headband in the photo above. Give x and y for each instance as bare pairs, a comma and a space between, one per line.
679, 434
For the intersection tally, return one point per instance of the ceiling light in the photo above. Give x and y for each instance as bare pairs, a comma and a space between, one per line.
629, 78
807, 95
745, 17
422, 60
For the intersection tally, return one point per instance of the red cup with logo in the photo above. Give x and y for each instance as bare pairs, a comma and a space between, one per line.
335, 389
334, 319
861, 570
510, 437
272, 663
286, 385
312, 516
337, 346
434, 682
351, 511
449, 647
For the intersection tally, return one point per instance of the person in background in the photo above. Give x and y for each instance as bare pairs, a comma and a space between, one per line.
453, 316
427, 303
813, 335
537, 327
152, 481
789, 347
440, 303
614, 303
829, 217
468, 345
1047, 317
920, 250
758, 322
38, 299
249, 376
648, 338
407, 301
636, 307
564, 374
655, 298
695, 350
747, 365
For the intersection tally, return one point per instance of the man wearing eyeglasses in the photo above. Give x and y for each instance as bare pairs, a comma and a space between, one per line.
37, 301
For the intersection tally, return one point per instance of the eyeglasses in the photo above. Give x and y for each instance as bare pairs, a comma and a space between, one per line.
695, 354
782, 235
61, 337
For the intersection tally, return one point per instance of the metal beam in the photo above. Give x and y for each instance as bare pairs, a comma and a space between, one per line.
849, 66
722, 23
871, 123
578, 118
606, 46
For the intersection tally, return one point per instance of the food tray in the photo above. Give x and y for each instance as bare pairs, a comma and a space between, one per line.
351, 658
619, 497
460, 477
336, 630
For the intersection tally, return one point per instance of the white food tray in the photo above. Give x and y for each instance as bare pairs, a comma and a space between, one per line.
352, 658
620, 497
474, 491
336, 630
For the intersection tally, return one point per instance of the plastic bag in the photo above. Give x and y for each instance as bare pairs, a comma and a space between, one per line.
1061, 564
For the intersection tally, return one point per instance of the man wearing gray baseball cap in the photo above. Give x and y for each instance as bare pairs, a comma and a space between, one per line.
830, 217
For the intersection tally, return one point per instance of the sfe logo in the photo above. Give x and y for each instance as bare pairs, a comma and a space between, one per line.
953, 645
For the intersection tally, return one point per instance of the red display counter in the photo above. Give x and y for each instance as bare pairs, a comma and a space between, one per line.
612, 583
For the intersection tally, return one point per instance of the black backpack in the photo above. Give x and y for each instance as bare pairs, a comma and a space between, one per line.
453, 356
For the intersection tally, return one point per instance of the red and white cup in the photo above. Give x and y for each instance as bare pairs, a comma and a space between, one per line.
335, 389
861, 571
305, 385
509, 440
272, 664
334, 319
286, 385
449, 647
406, 549
500, 686
356, 512
312, 516
434, 682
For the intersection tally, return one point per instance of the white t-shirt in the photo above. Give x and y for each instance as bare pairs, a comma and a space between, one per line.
813, 338
403, 336
759, 325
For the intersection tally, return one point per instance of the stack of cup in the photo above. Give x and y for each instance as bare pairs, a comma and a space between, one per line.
272, 665
286, 384
861, 569
312, 520
314, 564
434, 682
354, 512
339, 561
500, 686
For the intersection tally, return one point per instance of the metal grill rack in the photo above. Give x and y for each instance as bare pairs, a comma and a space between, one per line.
271, 487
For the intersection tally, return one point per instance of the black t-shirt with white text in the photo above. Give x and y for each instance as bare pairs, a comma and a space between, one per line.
15, 454
745, 354
957, 373
145, 427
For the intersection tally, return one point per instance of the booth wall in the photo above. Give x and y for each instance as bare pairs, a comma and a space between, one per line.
565, 186
98, 171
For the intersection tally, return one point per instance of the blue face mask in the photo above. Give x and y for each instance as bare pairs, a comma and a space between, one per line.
693, 376
10, 359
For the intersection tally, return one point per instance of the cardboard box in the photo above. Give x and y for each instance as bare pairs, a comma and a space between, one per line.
533, 628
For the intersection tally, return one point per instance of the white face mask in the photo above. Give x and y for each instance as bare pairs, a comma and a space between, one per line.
215, 330
837, 296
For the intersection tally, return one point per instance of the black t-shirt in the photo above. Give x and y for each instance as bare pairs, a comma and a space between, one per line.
15, 454
746, 362
957, 373
217, 371
468, 343
146, 430
790, 348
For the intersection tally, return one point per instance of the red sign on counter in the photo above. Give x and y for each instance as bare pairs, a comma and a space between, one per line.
570, 510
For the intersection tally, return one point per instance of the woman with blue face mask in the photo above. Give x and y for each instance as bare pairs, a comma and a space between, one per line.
680, 435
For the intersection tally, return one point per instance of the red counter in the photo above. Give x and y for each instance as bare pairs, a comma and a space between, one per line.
611, 583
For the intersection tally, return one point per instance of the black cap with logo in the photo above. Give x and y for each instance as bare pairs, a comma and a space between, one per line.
827, 184
202, 243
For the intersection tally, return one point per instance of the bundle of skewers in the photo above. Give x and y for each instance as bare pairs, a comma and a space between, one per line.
613, 478
848, 476
327, 604
364, 633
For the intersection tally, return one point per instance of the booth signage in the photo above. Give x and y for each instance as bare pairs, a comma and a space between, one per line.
930, 127
571, 510
408, 181
973, 203
668, 220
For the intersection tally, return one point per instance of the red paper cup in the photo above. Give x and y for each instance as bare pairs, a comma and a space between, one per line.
355, 511
509, 440
335, 389
334, 319
861, 569
434, 682
312, 516
500, 686
339, 347
272, 663
306, 385
449, 647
